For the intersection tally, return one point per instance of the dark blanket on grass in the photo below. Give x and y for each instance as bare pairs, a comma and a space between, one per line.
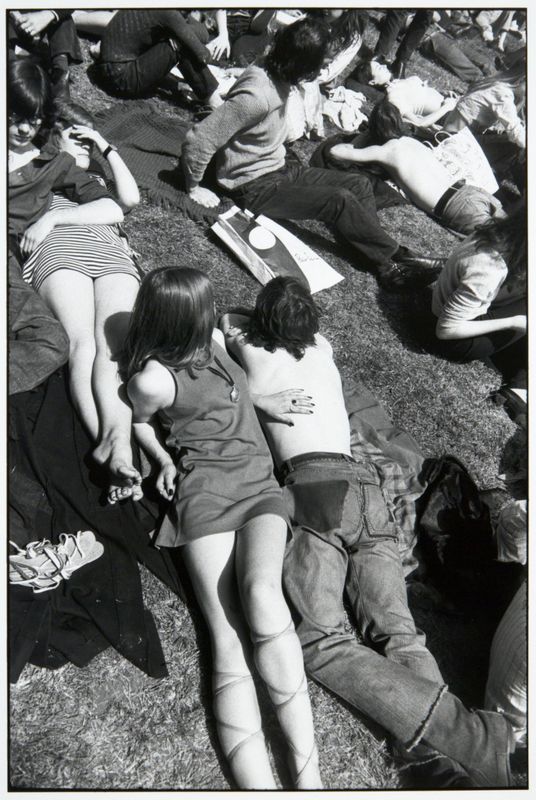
150, 144
54, 490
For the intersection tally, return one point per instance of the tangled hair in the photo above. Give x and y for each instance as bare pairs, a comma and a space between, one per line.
285, 316
28, 90
515, 76
508, 236
343, 30
386, 123
172, 321
298, 51
66, 115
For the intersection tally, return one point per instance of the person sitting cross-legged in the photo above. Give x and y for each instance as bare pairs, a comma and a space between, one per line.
246, 135
336, 548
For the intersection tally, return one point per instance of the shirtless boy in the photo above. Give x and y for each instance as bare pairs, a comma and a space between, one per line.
416, 170
344, 540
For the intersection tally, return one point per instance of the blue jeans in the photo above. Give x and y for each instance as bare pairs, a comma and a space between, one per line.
345, 543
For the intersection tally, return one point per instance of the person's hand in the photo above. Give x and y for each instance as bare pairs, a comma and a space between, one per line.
281, 405
165, 482
449, 103
33, 23
341, 152
519, 323
220, 46
204, 197
91, 135
34, 234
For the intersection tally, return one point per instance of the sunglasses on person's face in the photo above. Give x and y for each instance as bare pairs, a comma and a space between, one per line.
15, 119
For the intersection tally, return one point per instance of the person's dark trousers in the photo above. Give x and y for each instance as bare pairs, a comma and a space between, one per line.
442, 48
391, 27
414, 35
507, 349
345, 201
62, 40
141, 75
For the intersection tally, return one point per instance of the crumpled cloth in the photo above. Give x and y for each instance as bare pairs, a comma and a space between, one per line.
343, 107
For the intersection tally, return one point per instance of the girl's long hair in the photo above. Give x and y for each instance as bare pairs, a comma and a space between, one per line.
508, 236
344, 30
172, 321
28, 93
514, 77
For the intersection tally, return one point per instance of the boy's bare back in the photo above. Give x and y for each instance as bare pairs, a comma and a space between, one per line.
327, 429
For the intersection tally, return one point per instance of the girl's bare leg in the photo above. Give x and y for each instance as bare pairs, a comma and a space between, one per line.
69, 295
210, 564
114, 299
260, 547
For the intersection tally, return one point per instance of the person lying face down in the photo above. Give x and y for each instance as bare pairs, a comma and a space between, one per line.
414, 167
336, 549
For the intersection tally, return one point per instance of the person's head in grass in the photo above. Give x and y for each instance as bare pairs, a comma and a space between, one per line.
298, 52
508, 237
285, 316
172, 321
29, 104
64, 136
373, 72
386, 123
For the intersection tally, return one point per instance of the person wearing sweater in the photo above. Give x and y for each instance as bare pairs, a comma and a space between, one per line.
246, 136
140, 46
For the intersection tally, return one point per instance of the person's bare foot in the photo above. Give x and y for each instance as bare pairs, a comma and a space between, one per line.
116, 455
117, 493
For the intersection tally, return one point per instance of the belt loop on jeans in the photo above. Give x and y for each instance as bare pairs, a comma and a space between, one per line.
291, 464
446, 196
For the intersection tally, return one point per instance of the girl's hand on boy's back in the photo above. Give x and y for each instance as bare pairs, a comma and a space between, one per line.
165, 482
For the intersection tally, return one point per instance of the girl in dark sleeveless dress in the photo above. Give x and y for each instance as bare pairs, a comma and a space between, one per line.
226, 512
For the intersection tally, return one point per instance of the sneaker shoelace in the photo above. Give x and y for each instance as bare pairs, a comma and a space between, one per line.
42, 565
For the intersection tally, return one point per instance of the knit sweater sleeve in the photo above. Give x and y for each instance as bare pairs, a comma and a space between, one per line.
244, 107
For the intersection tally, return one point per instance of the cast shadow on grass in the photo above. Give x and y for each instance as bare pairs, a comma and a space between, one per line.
409, 315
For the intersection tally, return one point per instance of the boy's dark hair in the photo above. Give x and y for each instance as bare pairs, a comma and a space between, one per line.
285, 316
298, 51
386, 123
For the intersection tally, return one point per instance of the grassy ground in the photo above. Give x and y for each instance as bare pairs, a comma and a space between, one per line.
111, 727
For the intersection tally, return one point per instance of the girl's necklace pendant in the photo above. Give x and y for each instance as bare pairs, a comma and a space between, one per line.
235, 394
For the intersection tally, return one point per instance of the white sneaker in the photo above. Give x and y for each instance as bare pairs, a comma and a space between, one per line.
42, 565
